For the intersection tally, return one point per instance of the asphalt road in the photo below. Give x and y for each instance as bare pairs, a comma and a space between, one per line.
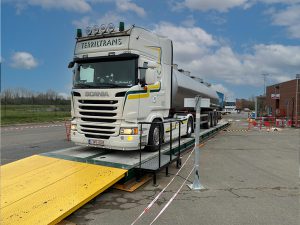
21, 141
249, 178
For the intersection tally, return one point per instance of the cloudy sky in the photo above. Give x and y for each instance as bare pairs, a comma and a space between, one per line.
229, 43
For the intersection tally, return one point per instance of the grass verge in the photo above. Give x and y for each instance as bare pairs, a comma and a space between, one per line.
18, 114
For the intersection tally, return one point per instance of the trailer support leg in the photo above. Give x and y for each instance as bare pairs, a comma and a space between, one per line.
154, 179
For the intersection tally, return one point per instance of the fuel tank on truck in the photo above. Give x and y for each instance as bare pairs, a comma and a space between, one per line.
184, 86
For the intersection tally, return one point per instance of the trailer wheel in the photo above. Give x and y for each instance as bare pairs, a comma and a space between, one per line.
208, 123
154, 138
189, 127
214, 119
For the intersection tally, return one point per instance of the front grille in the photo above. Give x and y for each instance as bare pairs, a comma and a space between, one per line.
97, 107
103, 114
98, 131
97, 127
96, 136
97, 114
98, 101
98, 120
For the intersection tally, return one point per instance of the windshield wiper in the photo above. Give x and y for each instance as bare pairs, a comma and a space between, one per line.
113, 85
100, 85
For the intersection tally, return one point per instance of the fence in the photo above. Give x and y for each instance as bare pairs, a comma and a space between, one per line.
269, 122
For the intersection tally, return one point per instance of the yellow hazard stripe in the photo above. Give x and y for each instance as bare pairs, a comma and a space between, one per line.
154, 87
137, 96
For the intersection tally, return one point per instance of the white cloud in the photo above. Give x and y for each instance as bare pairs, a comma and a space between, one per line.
23, 60
226, 5
127, 5
189, 21
277, 1
81, 6
289, 18
208, 58
109, 17
189, 42
206, 5
229, 95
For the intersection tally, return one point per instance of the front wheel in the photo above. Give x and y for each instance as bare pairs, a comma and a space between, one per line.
155, 137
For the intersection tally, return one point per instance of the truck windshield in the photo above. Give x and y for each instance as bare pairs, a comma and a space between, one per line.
105, 74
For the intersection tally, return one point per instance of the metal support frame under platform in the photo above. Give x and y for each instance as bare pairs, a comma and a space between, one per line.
176, 147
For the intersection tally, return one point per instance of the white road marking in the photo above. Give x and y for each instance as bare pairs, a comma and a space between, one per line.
32, 127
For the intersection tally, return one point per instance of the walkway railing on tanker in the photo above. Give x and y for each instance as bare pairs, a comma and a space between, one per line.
160, 160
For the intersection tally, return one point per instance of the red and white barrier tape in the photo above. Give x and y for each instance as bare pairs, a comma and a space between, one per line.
171, 199
162, 191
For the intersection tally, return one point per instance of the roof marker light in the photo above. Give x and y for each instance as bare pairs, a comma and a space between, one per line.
95, 29
102, 28
88, 30
110, 27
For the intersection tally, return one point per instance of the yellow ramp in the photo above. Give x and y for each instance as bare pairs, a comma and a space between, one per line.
44, 190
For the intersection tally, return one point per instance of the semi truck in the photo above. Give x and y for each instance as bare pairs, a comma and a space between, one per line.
122, 77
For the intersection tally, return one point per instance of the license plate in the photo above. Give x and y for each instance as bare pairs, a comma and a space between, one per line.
96, 142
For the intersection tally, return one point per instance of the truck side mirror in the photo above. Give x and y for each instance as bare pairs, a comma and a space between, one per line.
150, 77
143, 70
147, 74
71, 64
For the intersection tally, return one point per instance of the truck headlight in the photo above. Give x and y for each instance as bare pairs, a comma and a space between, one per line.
73, 127
129, 131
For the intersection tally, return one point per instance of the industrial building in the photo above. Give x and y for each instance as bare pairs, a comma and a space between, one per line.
230, 107
283, 100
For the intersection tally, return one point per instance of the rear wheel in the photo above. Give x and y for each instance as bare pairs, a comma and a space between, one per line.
214, 115
208, 123
155, 136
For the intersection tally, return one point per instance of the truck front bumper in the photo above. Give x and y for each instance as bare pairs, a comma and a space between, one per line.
121, 142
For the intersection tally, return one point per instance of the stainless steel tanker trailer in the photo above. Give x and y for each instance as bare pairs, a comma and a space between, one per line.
125, 77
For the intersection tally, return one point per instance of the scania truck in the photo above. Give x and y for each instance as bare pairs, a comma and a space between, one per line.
122, 77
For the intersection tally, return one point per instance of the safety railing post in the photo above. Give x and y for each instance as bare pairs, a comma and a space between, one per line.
179, 146
141, 130
260, 126
159, 144
171, 150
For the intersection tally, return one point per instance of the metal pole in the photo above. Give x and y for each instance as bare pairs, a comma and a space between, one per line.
171, 152
159, 143
141, 145
256, 108
196, 184
265, 78
179, 143
297, 90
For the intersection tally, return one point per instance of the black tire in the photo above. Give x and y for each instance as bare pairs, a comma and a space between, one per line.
154, 140
214, 119
189, 127
208, 124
